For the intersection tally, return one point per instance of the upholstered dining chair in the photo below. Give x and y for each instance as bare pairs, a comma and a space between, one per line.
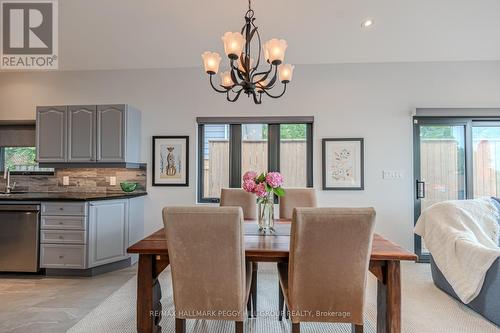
296, 197
210, 277
325, 279
237, 197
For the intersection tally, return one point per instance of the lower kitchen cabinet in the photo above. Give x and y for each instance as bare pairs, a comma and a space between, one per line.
68, 256
108, 232
92, 233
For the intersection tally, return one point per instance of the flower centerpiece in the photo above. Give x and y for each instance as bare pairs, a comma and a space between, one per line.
265, 186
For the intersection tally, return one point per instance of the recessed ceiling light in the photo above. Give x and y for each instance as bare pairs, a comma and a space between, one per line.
367, 23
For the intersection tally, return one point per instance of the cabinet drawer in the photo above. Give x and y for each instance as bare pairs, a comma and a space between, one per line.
62, 256
62, 237
64, 208
64, 222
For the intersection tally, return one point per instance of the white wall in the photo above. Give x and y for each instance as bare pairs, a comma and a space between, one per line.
373, 101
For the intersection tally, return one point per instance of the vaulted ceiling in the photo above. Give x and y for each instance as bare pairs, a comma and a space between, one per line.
112, 34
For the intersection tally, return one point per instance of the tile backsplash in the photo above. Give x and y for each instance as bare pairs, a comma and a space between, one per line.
95, 180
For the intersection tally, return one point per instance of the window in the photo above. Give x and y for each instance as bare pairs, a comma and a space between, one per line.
228, 147
21, 160
215, 159
293, 154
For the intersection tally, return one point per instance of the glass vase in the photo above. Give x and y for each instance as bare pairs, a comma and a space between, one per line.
266, 214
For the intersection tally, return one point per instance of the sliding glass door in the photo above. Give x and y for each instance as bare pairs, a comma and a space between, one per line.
454, 159
439, 167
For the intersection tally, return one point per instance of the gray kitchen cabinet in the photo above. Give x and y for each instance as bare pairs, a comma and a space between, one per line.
51, 125
108, 232
90, 134
85, 235
82, 133
118, 134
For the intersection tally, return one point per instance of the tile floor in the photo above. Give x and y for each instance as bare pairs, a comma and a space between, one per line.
53, 304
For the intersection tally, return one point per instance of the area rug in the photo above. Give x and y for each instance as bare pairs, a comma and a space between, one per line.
425, 309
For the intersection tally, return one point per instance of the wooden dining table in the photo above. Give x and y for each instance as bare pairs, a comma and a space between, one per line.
384, 265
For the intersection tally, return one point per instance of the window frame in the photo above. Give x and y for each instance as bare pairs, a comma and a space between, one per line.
235, 147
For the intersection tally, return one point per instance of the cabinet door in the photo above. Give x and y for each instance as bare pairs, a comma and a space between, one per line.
108, 232
111, 133
51, 134
82, 133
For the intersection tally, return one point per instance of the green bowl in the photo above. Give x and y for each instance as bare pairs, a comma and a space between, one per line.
128, 187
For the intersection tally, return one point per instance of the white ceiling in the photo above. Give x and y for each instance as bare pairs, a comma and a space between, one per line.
112, 34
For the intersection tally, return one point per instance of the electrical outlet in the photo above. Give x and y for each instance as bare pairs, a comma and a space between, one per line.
65, 180
392, 174
112, 181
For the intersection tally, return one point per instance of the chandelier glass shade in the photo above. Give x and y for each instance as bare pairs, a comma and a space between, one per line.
244, 75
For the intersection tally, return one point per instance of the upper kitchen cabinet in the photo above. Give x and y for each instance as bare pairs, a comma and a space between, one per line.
82, 133
51, 134
86, 135
118, 134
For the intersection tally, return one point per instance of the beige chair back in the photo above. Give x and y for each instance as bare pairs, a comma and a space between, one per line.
330, 252
296, 197
237, 197
207, 255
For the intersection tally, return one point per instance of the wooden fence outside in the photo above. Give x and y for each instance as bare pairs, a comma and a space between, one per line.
441, 167
254, 157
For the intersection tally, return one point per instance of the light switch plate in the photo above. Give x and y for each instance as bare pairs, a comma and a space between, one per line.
112, 181
392, 174
65, 180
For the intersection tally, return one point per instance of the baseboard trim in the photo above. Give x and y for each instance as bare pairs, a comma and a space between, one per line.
89, 271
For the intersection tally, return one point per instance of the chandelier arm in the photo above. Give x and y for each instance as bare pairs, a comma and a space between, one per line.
273, 79
255, 99
233, 76
258, 56
265, 74
235, 96
215, 88
276, 96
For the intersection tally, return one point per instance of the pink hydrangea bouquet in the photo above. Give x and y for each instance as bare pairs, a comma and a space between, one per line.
263, 185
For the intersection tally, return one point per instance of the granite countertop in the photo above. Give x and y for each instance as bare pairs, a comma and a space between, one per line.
67, 196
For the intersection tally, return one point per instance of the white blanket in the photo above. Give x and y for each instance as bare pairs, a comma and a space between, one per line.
462, 237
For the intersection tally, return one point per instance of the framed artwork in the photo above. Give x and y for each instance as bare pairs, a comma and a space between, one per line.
343, 165
170, 161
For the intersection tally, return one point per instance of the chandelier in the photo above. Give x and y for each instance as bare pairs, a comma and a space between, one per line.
244, 75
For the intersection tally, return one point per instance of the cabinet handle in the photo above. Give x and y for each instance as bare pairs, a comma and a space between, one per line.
60, 208
61, 237
61, 223
61, 256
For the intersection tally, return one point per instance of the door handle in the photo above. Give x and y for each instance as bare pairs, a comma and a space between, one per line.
420, 189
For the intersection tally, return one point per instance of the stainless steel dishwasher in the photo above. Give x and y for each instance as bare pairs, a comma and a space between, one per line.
19, 237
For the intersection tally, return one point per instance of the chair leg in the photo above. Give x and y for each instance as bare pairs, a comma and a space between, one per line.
281, 302
357, 328
253, 289
180, 325
286, 312
238, 327
296, 328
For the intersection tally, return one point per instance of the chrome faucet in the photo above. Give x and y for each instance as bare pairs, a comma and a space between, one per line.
6, 175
